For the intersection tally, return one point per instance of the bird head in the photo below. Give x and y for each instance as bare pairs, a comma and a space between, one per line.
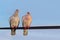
16, 12
28, 13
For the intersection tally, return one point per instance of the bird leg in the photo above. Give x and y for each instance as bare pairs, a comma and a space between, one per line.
26, 30
13, 31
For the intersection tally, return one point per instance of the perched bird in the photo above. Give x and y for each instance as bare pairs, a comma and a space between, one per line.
26, 22
14, 22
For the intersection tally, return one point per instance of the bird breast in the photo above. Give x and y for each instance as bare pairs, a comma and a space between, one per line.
15, 21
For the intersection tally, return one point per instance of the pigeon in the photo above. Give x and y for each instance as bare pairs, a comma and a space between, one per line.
14, 22
26, 22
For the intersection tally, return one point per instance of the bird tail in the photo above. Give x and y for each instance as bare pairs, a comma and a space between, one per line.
13, 31
25, 32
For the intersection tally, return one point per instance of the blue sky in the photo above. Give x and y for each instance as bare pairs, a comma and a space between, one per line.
44, 12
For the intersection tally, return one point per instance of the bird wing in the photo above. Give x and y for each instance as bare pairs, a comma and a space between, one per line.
23, 21
18, 21
11, 21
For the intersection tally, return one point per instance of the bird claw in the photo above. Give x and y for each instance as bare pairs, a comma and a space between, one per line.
25, 32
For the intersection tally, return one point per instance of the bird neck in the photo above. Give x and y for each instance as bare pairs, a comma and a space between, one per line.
16, 14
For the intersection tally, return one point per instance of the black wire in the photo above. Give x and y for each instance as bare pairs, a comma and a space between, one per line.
35, 27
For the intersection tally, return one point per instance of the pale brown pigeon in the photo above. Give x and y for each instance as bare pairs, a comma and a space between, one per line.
26, 22
14, 22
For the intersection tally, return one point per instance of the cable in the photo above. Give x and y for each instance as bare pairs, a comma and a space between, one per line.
35, 27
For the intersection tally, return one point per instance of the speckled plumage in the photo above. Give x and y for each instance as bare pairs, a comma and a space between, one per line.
14, 22
26, 22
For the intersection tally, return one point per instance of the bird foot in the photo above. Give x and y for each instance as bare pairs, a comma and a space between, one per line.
25, 33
